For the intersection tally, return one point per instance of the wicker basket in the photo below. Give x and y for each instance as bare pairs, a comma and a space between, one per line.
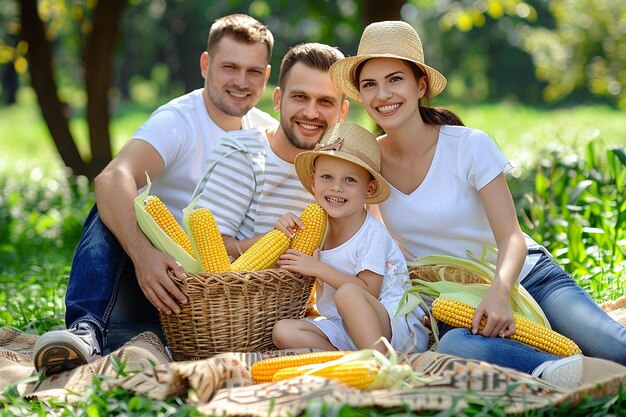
233, 311
616, 309
451, 273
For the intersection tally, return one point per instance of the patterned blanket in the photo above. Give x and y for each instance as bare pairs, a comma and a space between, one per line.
221, 385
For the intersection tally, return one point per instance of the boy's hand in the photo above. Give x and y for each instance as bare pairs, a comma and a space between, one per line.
296, 261
288, 224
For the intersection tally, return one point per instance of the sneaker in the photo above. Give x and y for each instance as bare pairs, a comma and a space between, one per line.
578, 370
62, 350
564, 373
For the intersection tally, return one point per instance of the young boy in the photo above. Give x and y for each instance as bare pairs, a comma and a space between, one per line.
361, 272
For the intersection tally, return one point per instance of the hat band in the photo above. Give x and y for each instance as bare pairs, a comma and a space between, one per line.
339, 146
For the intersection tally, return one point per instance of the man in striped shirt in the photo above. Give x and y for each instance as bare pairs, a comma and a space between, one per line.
250, 180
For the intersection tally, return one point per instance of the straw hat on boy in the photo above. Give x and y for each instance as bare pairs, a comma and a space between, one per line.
386, 39
352, 143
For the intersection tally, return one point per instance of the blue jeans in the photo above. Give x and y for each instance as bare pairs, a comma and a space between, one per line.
495, 350
570, 311
103, 288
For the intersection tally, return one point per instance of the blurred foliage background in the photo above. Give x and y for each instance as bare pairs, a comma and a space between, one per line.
85, 57
537, 51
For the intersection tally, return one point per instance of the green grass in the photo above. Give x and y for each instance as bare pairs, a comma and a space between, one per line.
29, 144
570, 192
522, 131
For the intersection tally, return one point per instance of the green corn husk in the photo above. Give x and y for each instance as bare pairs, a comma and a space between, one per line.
186, 212
465, 280
392, 374
473, 269
159, 238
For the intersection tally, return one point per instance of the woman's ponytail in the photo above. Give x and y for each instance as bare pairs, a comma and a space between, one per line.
439, 116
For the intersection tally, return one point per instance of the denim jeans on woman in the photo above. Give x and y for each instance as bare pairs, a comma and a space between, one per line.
103, 289
570, 311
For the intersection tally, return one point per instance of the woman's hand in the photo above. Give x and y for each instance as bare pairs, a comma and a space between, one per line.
496, 308
512, 250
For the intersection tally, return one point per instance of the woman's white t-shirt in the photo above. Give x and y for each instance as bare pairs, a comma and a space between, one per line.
445, 214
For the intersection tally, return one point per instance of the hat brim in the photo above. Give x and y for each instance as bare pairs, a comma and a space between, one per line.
342, 74
304, 166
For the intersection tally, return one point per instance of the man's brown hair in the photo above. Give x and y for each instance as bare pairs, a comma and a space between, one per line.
242, 28
312, 54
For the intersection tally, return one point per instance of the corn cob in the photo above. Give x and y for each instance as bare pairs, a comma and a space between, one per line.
308, 239
362, 369
264, 370
434, 275
357, 374
458, 314
264, 253
157, 235
207, 241
166, 221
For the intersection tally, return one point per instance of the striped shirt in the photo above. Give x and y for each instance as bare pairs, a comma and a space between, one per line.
248, 187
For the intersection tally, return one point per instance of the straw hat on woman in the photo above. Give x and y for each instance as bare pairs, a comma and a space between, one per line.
390, 39
449, 196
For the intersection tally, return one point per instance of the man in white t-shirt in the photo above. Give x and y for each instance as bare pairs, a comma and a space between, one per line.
251, 181
114, 261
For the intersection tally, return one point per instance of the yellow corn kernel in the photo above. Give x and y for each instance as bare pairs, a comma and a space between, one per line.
167, 222
207, 241
264, 253
308, 239
357, 374
264, 370
458, 314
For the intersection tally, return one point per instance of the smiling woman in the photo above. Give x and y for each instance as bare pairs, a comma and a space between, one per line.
450, 181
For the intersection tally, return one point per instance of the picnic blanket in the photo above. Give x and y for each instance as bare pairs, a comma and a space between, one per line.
222, 385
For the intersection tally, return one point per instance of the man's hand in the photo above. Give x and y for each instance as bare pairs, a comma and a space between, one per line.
155, 283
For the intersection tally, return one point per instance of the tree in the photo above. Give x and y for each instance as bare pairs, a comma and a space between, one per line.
376, 10
98, 54
96, 27
585, 51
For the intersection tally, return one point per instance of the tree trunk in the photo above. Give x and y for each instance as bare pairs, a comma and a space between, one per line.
9, 83
376, 10
44, 84
99, 54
